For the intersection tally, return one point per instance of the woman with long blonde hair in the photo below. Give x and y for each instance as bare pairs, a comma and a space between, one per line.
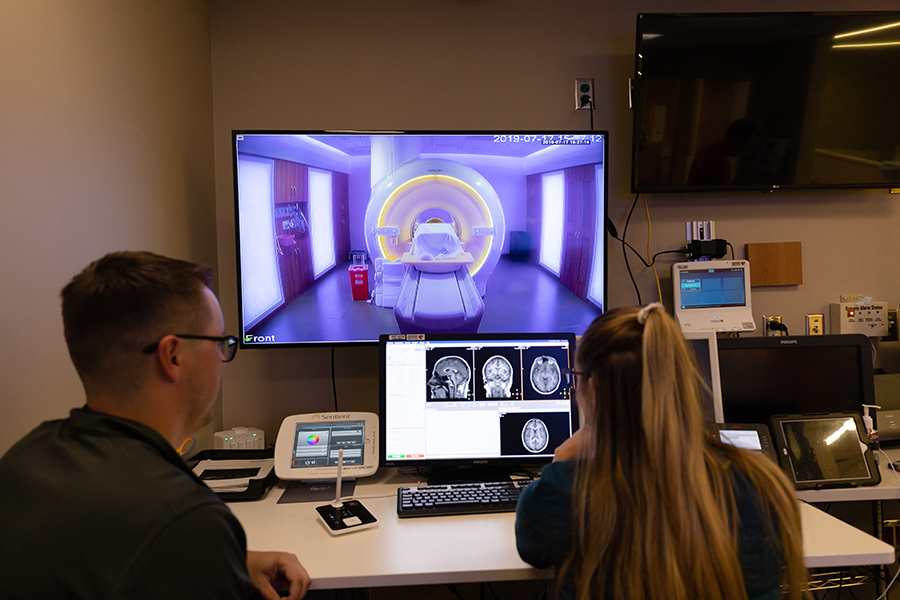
640, 503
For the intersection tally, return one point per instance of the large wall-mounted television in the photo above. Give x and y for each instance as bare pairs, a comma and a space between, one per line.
345, 236
766, 101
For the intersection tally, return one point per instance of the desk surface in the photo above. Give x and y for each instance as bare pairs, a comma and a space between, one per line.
458, 549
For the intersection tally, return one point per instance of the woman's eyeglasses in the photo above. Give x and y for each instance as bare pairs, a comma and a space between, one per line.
572, 377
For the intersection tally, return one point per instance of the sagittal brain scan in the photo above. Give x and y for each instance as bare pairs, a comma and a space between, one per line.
545, 375
498, 377
450, 378
535, 435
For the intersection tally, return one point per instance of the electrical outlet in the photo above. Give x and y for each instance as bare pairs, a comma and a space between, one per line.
767, 319
584, 93
815, 324
892, 335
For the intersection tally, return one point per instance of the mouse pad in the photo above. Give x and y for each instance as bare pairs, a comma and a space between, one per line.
315, 491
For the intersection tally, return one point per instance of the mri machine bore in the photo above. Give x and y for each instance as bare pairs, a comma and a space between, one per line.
442, 224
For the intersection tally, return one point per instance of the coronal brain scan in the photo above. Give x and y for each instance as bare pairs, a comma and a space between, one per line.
545, 375
449, 378
498, 377
535, 435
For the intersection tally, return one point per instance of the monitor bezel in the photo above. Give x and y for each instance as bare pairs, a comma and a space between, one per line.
715, 379
470, 462
604, 207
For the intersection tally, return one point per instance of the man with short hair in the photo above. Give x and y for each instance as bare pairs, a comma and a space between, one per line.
100, 505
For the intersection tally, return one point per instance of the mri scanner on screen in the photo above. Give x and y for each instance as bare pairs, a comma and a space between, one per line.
462, 232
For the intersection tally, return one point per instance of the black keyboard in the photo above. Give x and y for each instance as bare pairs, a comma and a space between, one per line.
459, 498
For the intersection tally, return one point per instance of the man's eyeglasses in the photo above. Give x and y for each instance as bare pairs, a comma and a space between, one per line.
572, 376
228, 344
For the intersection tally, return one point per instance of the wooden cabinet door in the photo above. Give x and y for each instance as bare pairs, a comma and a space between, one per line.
290, 182
340, 197
533, 185
578, 229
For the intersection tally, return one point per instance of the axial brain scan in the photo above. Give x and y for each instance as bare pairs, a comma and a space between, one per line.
545, 375
498, 377
450, 378
535, 435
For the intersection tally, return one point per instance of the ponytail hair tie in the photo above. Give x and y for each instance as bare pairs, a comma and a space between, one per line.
646, 310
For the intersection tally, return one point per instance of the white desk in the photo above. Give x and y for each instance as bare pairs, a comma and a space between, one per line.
459, 549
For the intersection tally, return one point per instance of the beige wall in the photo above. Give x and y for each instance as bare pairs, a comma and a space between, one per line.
116, 119
106, 121
470, 64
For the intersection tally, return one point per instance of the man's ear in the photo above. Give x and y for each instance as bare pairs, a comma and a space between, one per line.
169, 357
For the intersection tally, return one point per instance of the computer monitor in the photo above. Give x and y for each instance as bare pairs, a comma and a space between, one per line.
705, 349
487, 402
765, 376
343, 236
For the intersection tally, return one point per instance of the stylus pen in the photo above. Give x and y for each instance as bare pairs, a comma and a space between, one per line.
337, 492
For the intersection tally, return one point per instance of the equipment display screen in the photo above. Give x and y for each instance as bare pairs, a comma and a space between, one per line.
317, 445
747, 439
712, 289
823, 450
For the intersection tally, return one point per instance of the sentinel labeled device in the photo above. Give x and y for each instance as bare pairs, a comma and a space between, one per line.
713, 295
309, 446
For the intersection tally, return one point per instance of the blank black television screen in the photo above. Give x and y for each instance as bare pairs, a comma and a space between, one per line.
344, 236
766, 101
766, 376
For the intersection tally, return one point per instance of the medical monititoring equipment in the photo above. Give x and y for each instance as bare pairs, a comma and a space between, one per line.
749, 436
713, 295
308, 445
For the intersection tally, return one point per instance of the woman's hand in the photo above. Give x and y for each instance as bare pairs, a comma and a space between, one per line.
571, 448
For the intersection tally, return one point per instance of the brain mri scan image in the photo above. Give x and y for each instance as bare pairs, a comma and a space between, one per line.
450, 378
498, 377
535, 435
545, 375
